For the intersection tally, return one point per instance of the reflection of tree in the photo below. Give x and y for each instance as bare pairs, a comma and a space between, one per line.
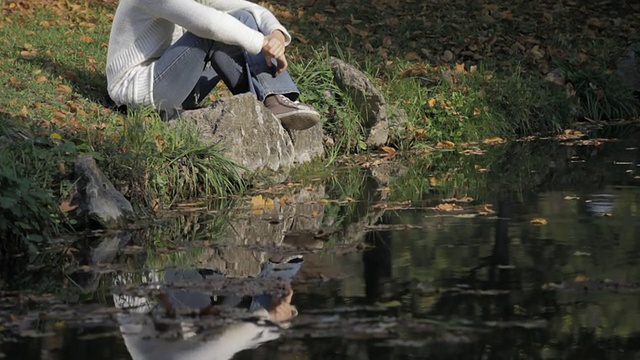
377, 263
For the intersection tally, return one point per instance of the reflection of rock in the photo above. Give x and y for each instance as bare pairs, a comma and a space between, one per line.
367, 98
252, 237
89, 254
629, 68
99, 204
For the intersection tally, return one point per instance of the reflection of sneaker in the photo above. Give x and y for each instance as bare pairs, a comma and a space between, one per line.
285, 269
292, 114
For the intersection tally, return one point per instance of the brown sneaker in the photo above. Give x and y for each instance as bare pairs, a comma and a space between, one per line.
292, 114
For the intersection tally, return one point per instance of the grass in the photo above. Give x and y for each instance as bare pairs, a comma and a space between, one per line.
52, 98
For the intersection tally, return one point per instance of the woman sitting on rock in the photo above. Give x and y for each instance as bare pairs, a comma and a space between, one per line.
169, 54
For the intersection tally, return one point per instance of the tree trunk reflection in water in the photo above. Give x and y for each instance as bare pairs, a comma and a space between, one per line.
377, 263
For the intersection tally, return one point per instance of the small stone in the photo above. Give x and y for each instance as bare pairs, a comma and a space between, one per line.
555, 76
99, 204
447, 55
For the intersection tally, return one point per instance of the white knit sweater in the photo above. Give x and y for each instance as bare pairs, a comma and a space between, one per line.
143, 29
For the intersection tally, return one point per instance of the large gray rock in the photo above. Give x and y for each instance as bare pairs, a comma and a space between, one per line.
370, 102
247, 132
99, 204
629, 68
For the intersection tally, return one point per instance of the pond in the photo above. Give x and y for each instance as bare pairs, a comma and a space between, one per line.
517, 251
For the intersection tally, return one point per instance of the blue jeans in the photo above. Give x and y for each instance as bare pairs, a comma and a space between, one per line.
192, 67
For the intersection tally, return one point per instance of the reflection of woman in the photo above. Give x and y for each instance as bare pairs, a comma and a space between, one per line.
144, 339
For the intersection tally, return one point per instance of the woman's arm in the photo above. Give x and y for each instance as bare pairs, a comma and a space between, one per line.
206, 21
266, 20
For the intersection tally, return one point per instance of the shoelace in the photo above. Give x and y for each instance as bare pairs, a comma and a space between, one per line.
288, 101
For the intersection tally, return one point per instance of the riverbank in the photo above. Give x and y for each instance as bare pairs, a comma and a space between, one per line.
458, 79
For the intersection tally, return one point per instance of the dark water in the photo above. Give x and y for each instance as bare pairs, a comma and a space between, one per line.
549, 269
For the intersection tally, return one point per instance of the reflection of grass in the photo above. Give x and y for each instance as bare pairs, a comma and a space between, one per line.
504, 169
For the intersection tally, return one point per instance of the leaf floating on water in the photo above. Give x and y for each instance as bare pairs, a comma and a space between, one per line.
465, 199
581, 278
571, 197
465, 216
538, 221
494, 140
390, 304
581, 253
485, 209
448, 207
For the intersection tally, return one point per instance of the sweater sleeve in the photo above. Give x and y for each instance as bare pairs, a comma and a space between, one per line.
207, 22
267, 21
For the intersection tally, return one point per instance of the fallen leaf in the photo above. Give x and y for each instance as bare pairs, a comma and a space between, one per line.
27, 54
493, 140
538, 221
66, 206
448, 207
388, 149
445, 144
581, 278
41, 78
62, 88
86, 38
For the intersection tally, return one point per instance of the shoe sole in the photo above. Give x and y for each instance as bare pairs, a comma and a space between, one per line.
299, 120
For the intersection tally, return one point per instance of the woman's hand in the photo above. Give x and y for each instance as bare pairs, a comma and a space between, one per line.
280, 308
273, 48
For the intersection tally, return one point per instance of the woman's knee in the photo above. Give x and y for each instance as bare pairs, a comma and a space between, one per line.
246, 17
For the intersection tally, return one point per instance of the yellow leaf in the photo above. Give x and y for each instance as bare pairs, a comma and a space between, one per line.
62, 88
56, 136
539, 221
493, 140
460, 67
448, 207
388, 149
476, 111
269, 204
41, 78
66, 206
445, 144
86, 38
27, 54
257, 202
581, 278
432, 102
